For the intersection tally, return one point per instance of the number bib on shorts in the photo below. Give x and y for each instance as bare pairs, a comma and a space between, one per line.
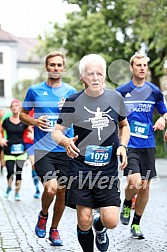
98, 155
17, 148
139, 129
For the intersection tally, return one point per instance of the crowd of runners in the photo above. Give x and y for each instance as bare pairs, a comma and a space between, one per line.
77, 141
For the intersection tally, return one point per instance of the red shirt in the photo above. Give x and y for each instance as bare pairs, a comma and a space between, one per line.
25, 135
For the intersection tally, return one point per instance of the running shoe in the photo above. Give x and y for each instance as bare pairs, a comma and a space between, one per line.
102, 240
6, 194
136, 232
125, 215
17, 197
40, 228
54, 237
37, 194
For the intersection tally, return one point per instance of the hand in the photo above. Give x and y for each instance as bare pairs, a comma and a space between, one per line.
71, 149
42, 122
122, 153
159, 124
4, 142
61, 103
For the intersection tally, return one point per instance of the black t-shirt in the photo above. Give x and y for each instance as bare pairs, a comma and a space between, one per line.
14, 136
95, 121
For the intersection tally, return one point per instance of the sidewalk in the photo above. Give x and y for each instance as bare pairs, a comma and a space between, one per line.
161, 166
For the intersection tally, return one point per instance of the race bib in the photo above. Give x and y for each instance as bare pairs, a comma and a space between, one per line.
52, 122
139, 129
17, 148
98, 155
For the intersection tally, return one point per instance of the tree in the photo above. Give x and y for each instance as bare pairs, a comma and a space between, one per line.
115, 29
140, 23
81, 35
20, 88
148, 26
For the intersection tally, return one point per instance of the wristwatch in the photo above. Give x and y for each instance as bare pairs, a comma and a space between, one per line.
123, 145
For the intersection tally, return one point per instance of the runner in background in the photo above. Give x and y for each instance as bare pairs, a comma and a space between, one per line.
141, 98
14, 148
51, 160
2, 162
28, 137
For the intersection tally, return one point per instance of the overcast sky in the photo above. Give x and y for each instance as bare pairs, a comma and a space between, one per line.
28, 18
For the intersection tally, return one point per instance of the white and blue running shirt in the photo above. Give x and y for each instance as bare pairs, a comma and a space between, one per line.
140, 103
44, 99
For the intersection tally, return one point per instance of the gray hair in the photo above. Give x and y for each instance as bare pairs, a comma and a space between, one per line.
92, 58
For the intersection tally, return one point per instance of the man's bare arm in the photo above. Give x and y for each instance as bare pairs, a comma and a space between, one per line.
68, 143
25, 118
42, 122
124, 135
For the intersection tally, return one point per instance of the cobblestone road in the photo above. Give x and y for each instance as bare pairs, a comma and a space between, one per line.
17, 221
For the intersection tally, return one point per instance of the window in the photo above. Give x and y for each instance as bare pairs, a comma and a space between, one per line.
1, 58
1, 88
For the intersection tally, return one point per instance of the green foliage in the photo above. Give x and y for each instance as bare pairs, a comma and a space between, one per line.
161, 147
148, 23
115, 29
20, 88
139, 24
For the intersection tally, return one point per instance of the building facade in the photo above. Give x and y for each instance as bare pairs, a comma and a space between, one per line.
17, 62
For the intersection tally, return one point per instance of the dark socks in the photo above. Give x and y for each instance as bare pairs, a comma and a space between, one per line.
98, 225
35, 178
86, 239
44, 215
136, 219
128, 203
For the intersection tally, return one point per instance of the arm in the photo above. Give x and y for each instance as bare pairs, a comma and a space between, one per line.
124, 135
3, 141
41, 122
68, 143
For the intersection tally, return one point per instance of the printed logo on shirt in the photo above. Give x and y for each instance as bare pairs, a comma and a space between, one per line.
137, 107
45, 93
128, 95
100, 119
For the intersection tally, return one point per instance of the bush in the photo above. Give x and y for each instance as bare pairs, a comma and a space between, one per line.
161, 146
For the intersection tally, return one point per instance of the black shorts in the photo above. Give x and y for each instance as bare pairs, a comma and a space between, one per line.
49, 165
1, 148
93, 196
141, 161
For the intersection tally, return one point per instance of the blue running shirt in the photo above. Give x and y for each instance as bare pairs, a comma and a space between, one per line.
44, 99
140, 103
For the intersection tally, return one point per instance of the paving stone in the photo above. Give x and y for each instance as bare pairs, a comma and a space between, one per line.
18, 220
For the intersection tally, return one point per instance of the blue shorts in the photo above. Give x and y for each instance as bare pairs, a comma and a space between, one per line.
29, 149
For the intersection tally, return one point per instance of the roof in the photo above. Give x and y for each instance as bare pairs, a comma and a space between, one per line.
25, 47
6, 37
25, 50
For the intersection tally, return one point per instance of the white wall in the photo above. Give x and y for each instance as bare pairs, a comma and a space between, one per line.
8, 70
